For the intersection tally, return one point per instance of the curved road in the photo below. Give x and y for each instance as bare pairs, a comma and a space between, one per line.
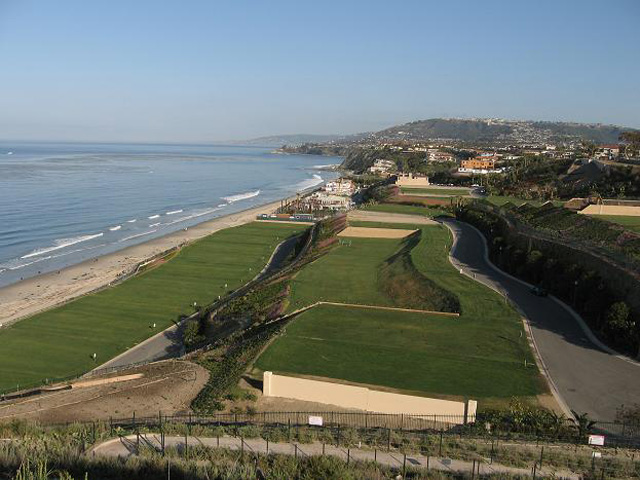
588, 378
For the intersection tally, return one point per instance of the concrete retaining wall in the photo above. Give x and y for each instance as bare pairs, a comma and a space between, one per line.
362, 398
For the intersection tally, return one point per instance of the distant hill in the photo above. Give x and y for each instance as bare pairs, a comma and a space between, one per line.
291, 140
498, 130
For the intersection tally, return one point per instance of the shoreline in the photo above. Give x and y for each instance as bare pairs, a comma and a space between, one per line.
42, 292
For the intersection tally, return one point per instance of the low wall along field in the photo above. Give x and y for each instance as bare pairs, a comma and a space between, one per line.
361, 398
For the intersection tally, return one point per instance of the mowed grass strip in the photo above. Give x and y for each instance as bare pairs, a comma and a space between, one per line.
629, 222
348, 274
59, 342
480, 354
408, 352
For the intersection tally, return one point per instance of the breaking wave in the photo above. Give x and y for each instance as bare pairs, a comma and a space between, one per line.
153, 216
61, 243
116, 228
136, 236
173, 212
241, 196
309, 183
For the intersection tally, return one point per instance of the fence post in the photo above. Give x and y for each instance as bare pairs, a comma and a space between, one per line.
295, 446
534, 471
323, 445
93, 431
541, 455
404, 466
348, 455
289, 428
491, 456
375, 455
473, 470
388, 439
440, 449
338, 441
110, 426
133, 419
186, 445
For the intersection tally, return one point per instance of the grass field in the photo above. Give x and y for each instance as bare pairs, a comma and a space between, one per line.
481, 354
629, 222
408, 209
436, 191
59, 342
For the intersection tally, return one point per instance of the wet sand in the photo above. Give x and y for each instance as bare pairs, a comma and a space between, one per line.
42, 292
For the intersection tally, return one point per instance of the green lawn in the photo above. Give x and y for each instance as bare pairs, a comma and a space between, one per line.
59, 342
436, 191
480, 354
629, 222
408, 209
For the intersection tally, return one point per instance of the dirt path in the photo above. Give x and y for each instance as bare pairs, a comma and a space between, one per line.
127, 446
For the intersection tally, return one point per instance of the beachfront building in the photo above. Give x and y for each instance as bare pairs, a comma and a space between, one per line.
328, 201
341, 186
412, 180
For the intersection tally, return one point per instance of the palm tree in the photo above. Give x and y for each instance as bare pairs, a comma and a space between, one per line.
583, 423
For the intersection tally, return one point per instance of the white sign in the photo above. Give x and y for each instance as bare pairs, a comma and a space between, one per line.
597, 455
596, 440
317, 421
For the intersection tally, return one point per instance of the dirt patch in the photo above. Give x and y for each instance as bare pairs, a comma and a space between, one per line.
365, 232
383, 217
166, 387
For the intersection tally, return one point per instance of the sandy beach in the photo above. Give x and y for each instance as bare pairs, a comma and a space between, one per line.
42, 292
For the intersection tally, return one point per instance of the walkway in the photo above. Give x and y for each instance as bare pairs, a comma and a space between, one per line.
127, 446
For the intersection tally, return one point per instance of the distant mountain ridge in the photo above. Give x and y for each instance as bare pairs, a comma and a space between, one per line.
499, 130
473, 130
291, 140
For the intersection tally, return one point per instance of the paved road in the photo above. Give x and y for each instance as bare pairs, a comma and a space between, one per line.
127, 446
168, 343
589, 379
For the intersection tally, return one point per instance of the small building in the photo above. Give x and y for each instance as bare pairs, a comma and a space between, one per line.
479, 163
435, 155
382, 166
412, 180
608, 151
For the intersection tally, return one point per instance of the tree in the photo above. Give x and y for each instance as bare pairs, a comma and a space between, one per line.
618, 318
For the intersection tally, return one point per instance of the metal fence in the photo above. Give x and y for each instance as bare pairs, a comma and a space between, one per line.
376, 424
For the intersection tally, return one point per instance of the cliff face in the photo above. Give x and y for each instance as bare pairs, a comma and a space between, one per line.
359, 159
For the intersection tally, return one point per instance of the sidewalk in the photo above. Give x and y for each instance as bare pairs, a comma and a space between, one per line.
127, 446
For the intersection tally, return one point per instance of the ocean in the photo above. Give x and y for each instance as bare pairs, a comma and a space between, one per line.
61, 204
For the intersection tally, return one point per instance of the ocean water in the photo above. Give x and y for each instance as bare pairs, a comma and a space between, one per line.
61, 204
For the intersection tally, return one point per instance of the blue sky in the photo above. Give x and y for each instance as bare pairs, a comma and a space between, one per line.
197, 71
